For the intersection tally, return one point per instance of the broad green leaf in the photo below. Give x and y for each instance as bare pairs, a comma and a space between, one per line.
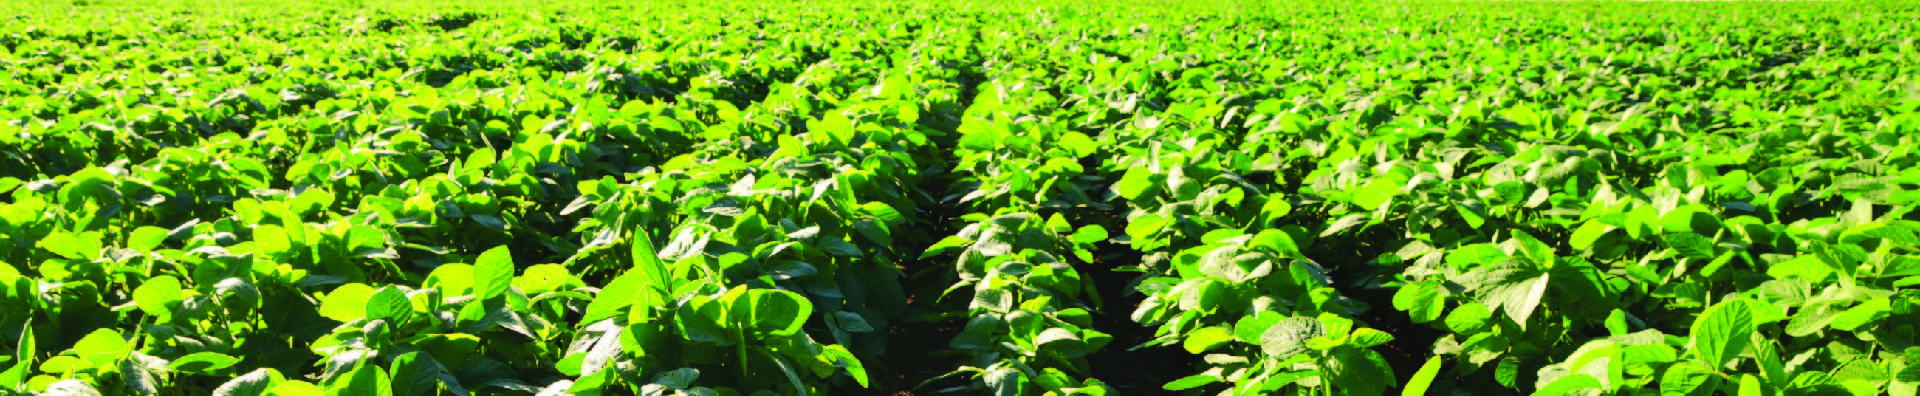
1190, 382
1145, 227
1006, 382
492, 273
1517, 290
1869, 312
390, 304
653, 281
64, 245
1360, 371
1251, 327
1688, 378
1721, 333
1207, 339
158, 296
779, 312
1090, 234
1368, 338
1377, 191
1417, 386
1469, 318
346, 303
254, 383
145, 239
1422, 301
70, 387
1691, 245
1136, 182
1584, 237
1290, 336
203, 362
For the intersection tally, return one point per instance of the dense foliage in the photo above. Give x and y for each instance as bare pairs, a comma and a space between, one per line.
491, 197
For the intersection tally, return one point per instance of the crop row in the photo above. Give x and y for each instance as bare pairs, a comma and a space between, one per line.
725, 198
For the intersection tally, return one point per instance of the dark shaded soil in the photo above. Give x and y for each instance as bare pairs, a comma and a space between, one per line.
911, 358
1135, 372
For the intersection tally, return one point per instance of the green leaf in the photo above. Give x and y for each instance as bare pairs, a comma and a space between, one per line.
1474, 215
346, 303
142, 373
145, 239
1251, 327
852, 322
23, 356
1090, 234
203, 362
1422, 301
1377, 191
1368, 338
1469, 318
1190, 382
63, 245
391, 304
1078, 144
492, 273
1144, 227
845, 360
1469, 255
1722, 332
1691, 245
1363, 372
255, 383
1006, 381
1584, 237
158, 296
1278, 241
787, 367
779, 312
1290, 336
1417, 386
543, 278
1869, 312
995, 300
1206, 339
1516, 289
1135, 183
366, 379
981, 141
70, 387
412, 375
654, 283
1688, 378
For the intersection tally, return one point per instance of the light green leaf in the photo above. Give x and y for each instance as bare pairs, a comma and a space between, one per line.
1090, 234
1135, 183
1422, 301
1190, 382
203, 362
347, 302
255, 383
1368, 338
1688, 378
492, 273
1722, 332
145, 239
1417, 386
1206, 339
1290, 336
158, 295
1587, 234
1869, 312
1691, 245
391, 304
